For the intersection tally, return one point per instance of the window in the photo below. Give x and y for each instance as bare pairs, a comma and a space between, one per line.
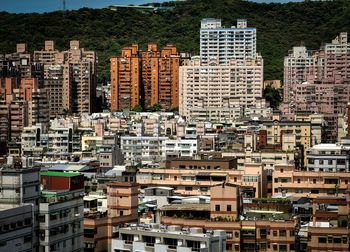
274, 233
314, 181
283, 233
291, 233
283, 247
217, 207
203, 188
298, 190
314, 191
337, 239
188, 188
229, 208
298, 181
274, 246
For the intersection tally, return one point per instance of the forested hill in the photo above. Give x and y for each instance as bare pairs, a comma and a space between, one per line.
279, 27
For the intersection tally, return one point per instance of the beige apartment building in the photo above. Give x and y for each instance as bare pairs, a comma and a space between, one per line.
210, 85
196, 176
69, 77
309, 183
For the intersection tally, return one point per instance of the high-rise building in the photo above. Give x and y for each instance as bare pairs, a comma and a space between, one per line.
318, 82
145, 77
69, 77
22, 103
209, 86
222, 43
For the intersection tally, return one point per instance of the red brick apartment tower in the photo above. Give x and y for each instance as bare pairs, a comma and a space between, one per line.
145, 77
125, 79
168, 87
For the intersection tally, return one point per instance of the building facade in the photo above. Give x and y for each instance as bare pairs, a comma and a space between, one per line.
208, 86
222, 43
145, 77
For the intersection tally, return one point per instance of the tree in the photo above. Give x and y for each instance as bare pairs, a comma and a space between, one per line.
138, 108
155, 107
273, 96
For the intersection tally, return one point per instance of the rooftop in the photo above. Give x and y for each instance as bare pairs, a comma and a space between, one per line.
59, 174
186, 207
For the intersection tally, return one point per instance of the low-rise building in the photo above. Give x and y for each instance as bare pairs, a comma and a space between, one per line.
17, 228
61, 211
328, 158
161, 238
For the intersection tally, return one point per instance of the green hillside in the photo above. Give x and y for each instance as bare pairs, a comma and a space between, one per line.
279, 27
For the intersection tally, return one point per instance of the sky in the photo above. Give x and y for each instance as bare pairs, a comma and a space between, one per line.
40, 6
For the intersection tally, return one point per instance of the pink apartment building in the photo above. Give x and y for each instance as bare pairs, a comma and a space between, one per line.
209, 86
318, 82
70, 78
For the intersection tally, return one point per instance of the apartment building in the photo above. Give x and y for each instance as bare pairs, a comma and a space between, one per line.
161, 238
23, 104
222, 43
316, 81
255, 233
181, 147
328, 158
329, 228
298, 65
17, 228
70, 77
61, 211
25, 64
145, 77
208, 86
285, 179
21, 185
189, 176
122, 207
143, 149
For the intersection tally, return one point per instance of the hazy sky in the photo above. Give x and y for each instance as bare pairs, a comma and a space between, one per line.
40, 6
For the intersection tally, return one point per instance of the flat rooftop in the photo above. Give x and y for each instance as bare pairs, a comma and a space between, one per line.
186, 207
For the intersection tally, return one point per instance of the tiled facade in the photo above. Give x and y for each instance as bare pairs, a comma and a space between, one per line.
145, 77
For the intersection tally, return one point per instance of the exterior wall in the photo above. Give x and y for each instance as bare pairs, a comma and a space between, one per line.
223, 43
198, 179
264, 234
52, 181
145, 148
328, 158
145, 77
309, 184
142, 240
69, 77
18, 228
225, 201
61, 222
184, 147
209, 86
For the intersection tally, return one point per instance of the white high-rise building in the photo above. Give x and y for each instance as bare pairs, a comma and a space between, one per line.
211, 86
222, 43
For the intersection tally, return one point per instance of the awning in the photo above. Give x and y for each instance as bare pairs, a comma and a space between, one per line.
89, 242
217, 174
41, 214
248, 228
46, 195
55, 213
89, 228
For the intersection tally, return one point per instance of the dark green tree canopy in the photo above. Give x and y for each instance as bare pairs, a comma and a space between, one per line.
279, 28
